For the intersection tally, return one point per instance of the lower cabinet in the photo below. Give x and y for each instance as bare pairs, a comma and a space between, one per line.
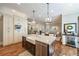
42, 49
24, 42
39, 49
28, 46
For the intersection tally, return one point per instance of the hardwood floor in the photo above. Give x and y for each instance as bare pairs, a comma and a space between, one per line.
60, 50
11, 50
16, 49
69, 51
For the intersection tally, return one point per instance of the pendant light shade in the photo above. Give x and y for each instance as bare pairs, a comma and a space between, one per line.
33, 17
48, 19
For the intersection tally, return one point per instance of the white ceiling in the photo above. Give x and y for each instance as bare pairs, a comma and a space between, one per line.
55, 9
40, 9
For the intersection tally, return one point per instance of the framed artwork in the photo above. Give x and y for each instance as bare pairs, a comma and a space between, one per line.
17, 26
70, 27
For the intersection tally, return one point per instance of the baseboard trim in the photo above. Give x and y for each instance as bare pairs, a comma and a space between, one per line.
12, 44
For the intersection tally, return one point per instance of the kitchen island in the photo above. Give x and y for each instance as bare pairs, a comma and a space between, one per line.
39, 44
42, 38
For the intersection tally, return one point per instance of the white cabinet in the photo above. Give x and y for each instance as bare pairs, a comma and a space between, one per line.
7, 29
10, 29
9, 34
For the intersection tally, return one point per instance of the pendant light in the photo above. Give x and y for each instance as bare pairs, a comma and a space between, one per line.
48, 18
33, 17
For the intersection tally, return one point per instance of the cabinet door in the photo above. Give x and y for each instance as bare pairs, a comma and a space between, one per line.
41, 49
38, 49
8, 29
44, 50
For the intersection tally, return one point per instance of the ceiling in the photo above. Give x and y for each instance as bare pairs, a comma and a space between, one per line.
40, 9
55, 9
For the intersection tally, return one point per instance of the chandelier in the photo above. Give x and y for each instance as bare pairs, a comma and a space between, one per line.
48, 19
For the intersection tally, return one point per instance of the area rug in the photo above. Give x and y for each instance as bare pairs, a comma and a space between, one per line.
25, 53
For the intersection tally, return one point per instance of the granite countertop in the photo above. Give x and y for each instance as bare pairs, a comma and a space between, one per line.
41, 38
31, 38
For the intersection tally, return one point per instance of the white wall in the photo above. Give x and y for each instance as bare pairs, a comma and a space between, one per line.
70, 18
21, 32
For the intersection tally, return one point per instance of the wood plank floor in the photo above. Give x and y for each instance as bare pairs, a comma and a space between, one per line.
60, 50
16, 49
11, 50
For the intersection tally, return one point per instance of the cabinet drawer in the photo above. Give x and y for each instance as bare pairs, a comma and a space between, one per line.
43, 44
